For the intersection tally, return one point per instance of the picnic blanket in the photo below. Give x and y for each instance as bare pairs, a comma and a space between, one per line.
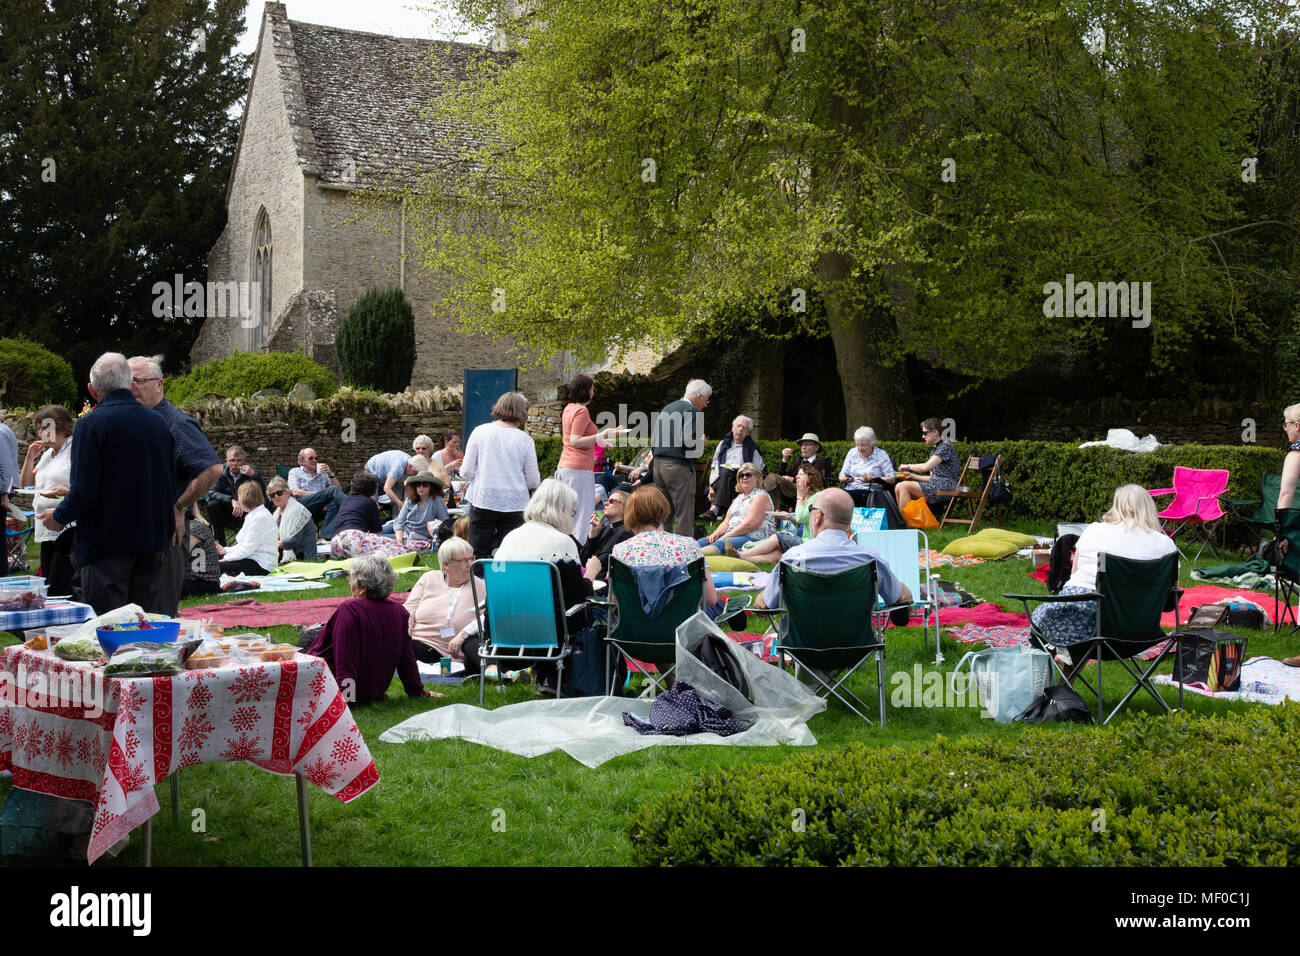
1263, 681
986, 615
250, 612
952, 560
402, 563
1250, 580
274, 582
1004, 636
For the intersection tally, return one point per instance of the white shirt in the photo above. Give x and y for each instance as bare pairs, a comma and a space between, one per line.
256, 539
52, 470
501, 465
1101, 536
535, 541
292, 518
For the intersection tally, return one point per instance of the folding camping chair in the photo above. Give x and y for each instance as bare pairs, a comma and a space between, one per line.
1286, 570
907, 553
975, 499
1196, 504
521, 615
828, 630
16, 549
643, 637
1256, 514
1131, 595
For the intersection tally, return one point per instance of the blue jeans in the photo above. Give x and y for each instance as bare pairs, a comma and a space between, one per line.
738, 541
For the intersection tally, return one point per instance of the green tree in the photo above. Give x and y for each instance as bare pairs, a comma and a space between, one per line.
927, 168
116, 138
375, 344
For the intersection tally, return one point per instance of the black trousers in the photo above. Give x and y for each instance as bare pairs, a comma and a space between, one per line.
56, 564
130, 577
242, 566
487, 528
724, 489
221, 514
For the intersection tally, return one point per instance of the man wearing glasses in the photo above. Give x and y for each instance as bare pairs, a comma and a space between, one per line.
195, 465
830, 550
317, 490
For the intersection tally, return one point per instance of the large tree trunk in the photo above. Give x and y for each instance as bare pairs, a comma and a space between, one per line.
862, 330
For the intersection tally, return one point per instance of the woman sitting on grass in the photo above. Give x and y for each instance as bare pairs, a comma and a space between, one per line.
748, 519
255, 550
423, 507
441, 605
807, 482
1130, 529
297, 531
358, 527
367, 639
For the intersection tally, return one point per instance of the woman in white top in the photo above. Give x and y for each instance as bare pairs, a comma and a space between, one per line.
441, 606
501, 465
1130, 529
295, 528
51, 477
748, 519
255, 548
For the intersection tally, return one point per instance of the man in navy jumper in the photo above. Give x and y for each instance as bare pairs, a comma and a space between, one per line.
121, 494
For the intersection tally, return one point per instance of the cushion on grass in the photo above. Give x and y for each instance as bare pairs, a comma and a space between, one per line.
721, 562
991, 543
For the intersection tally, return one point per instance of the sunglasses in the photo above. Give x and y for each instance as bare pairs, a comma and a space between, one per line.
747, 474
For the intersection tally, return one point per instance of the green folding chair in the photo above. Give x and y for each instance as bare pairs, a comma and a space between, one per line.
1256, 514
1131, 596
637, 635
830, 629
1286, 570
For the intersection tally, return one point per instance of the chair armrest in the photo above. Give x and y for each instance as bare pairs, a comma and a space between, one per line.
1159, 491
765, 611
599, 602
1056, 598
581, 606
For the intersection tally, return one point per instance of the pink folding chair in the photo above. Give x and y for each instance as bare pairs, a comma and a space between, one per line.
1196, 505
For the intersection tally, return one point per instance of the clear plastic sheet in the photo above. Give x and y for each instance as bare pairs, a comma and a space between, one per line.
591, 730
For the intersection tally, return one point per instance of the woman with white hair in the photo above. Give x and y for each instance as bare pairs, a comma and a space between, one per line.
1291, 466
544, 536
440, 604
297, 531
865, 463
367, 637
1130, 529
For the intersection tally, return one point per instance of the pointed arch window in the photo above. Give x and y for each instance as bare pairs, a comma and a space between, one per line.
259, 293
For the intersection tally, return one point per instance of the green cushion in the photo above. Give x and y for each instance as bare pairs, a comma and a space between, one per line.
991, 544
721, 562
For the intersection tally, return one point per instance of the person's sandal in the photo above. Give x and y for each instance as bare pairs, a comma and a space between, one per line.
1291, 661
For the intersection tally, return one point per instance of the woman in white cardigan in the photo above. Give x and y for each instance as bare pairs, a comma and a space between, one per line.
255, 548
501, 465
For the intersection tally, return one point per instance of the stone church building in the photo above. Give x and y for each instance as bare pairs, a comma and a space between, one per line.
330, 110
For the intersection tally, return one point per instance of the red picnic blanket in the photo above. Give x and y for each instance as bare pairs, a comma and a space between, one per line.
250, 612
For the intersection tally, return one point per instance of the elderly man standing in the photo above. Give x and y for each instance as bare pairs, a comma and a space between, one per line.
122, 495
830, 550
223, 500
733, 451
195, 465
317, 490
678, 439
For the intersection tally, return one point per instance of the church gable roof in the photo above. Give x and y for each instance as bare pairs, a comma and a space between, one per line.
357, 102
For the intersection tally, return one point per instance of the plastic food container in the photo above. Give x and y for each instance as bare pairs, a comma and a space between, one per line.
114, 636
279, 652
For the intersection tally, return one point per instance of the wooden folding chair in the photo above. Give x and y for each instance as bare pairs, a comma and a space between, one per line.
975, 499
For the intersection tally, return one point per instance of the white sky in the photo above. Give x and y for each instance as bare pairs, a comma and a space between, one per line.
427, 19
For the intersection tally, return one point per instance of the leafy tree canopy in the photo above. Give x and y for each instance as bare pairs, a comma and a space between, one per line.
926, 168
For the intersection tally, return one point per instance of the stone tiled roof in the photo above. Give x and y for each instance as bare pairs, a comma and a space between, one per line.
358, 102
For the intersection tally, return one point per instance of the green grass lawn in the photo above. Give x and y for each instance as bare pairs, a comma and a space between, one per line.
456, 803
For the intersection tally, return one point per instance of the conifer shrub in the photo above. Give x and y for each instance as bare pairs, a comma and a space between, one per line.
375, 344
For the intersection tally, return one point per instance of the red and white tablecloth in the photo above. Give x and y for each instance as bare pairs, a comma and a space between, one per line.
67, 731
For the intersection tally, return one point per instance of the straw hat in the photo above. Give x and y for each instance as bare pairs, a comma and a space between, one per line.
426, 478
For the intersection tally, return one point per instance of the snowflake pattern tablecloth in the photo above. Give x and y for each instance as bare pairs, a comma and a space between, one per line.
283, 717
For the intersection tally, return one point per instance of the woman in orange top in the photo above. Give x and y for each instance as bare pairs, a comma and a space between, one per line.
578, 458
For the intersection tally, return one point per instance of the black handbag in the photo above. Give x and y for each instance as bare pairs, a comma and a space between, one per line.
1210, 657
717, 654
1058, 703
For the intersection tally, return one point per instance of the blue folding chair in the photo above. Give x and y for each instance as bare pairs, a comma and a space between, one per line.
16, 549
907, 552
521, 615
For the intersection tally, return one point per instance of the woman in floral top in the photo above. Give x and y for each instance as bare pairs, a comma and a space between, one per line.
938, 473
652, 547
748, 519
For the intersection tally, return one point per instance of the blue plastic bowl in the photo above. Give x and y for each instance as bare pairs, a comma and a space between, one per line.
161, 632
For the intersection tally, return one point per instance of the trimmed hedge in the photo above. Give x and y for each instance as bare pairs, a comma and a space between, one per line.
375, 344
33, 376
1049, 480
243, 374
1173, 790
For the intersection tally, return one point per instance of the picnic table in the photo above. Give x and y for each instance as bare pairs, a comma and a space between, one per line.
108, 741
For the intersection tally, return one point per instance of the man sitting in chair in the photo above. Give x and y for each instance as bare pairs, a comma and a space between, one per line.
831, 551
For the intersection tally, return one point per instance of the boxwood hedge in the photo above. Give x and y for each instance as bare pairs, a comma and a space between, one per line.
1049, 480
1152, 791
